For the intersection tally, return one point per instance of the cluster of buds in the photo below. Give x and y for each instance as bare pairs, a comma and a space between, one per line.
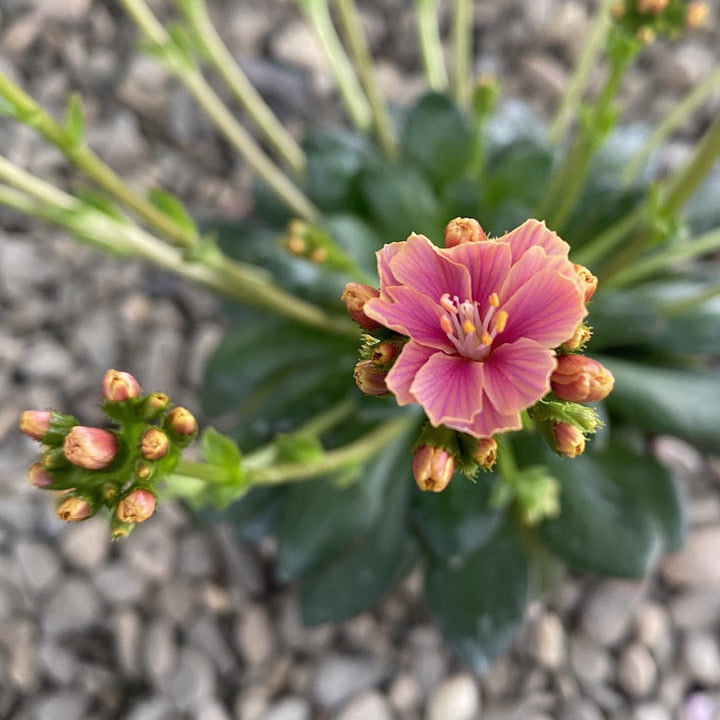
118, 468
648, 19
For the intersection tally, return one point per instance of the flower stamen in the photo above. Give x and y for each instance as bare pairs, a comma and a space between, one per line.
471, 336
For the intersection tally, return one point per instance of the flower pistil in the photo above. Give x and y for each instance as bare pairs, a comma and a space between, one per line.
472, 336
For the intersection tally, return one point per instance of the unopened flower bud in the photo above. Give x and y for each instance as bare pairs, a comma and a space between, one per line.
35, 423
645, 34
143, 471
569, 440
355, 295
485, 452
697, 14
579, 339
39, 476
369, 378
581, 379
155, 403
90, 448
118, 386
432, 468
651, 6
182, 421
588, 281
74, 509
463, 230
383, 353
318, 255
618, 10
136, 507
154, 444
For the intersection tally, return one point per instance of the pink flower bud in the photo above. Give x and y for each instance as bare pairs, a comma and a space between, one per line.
485, 452
580, 379
39, 476
569, 440
136, 507
432, 468
697, 14
157, 402
588, 281
651, 6
463, 230
182, 421
369, 378
74, 509
118, 386
154, 444
90, 448
35, 423
355, 295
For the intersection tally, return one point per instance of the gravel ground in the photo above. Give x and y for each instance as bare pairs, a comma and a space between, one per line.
177, 621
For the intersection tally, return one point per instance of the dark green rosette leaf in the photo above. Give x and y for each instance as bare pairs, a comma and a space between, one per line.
364, 565
680, 402
479, 600
459, 519
620, 511
436, 138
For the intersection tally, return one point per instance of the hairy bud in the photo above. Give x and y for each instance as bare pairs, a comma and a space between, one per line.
74, 509
569, 440
90, 448
463, 230
35, 423
154, 444
182, 421
136, 507
369, 378
432, 468
588, 281
119, 386
485, 452
39, 476
580, 379
355, 295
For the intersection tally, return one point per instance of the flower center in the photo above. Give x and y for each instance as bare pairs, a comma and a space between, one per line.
472, 335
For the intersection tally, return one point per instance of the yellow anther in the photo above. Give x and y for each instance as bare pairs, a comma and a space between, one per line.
494, 300
501, 320
468, 327
486, 339
445, 324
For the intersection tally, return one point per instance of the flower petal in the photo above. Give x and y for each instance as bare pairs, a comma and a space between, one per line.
402, 374
488, 263
449, 388
421, 265
517, 375
547, 309
384, 256
534, 233
490, 421
409, 312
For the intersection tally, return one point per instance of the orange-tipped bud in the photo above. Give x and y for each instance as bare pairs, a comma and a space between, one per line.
39, 476
580, 379
157, 402
154, 444
463, 230
432, 468
35, 423
579, 339
355, 295
118, 386
651, 6
588, 281
74, 509
136, 507
485, 453
90, 448
384, 353
182, 421
569, 440
618, 10
645, 34
697, 14
369, 378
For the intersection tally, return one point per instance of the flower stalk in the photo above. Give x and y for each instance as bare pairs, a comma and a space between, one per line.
430, 45
462, 35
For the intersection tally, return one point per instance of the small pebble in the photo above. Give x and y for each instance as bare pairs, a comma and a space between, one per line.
637, 672
456, 697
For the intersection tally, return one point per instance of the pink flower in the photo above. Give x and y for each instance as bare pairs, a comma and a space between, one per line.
483, 320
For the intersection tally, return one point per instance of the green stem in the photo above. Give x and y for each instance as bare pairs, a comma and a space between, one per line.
356, 103
673, 120
357, 42
83, 158
682, 307
333, 460
506, 463
665, 259
587, 64
209, 474
462, 34
601, 245
191, 76
237, 81
233, 279
430, 45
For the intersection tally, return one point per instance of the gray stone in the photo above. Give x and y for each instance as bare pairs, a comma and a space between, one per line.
290, 707
695, 607
609, 609
637, 672
196, 557
456, 697
212, 709
127, 627
119, 584
254, 635
340, 677
47, 358
20, 640
59, 664
160, 652
698, 563
39, 565
548, 641
151, 550
86, 545
67, 704
193, 681
73, 607
405, 693
589, 660
156, 708
701, 656
428, 656
146, 87
581, 710
651, 711
206, 635
368, 705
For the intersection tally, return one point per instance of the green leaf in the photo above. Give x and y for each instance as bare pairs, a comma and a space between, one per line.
75, 119
98, 201
479, 601
173, 208
358, 577
684, 403
219, 449
401, 201
607, 524
703, 210
356, 237
436, 138
457, 520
